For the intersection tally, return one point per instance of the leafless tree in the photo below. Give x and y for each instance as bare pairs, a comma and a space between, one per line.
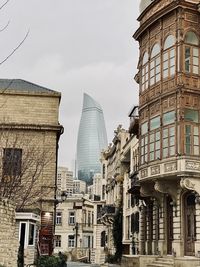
3, 29
23, 160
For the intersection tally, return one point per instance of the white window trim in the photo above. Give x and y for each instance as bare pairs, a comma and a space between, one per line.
27, 223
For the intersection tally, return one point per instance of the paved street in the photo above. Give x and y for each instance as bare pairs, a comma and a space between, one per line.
77, 264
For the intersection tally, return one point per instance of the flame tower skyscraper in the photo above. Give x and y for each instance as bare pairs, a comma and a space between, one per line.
92, 138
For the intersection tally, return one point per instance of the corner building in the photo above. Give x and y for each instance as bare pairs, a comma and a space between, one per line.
169, 106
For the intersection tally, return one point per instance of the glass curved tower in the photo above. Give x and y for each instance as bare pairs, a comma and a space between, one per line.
92, 138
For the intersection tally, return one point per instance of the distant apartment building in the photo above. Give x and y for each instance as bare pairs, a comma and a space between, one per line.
92, 138
79, 187
64, 180
74, 227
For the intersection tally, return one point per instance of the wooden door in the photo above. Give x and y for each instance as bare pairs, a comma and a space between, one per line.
169, 224
190, 225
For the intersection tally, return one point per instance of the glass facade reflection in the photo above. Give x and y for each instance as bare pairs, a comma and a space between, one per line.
92, 138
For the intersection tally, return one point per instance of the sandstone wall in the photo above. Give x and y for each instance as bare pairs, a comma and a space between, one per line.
8, 236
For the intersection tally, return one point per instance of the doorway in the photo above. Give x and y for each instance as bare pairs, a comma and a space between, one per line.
190, 224
169, 223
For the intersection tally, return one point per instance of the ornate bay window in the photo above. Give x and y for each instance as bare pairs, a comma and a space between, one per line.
144, 143
155, 65
169, 57
191, 132
191, 53
168, 134
145, 72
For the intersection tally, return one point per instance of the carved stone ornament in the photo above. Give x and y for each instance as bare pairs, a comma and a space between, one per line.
191, 184
144, 173
170, 167
155, 170
167, 187
192, 165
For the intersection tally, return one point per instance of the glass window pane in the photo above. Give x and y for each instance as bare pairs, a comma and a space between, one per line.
196, 140
155, 50
172, 141
152, 156
172, 70
165, 65
158, 69
165, 133
145, 149
158, 154
165, 73
142, 142
145, 58
168, 117
196, 150
191, 115
172, 61
152, 73
152, 64
196, 130
172, 131
146, 139
157, 145
152, 147
187, 66
195, 52
152, 138
144, 128
195, 61
157, 136
155, 123
165, 142
188, 129
187, 52
195, 70
191, 38
157, 61
165, 152
170, 41
157, 77
165, 56
172, 53
188, 139
172, 150
187, 149
152, 81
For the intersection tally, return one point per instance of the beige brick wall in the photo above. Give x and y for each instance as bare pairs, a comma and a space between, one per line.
8, 236
29, 109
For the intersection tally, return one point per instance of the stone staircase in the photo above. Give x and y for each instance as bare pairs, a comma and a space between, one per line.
162, 262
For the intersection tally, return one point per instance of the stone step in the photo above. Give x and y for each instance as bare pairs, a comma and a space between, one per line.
162, 262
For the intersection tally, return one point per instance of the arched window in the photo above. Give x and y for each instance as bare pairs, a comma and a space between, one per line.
169, 57
191, 53
145, 71
155, 65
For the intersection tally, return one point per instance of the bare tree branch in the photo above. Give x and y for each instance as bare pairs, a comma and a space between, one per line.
2, 6
5, 27
16, 48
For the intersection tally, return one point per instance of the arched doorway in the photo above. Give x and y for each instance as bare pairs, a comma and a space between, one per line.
169, 224
190, 224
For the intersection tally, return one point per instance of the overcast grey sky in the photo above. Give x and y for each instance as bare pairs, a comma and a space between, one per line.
75, 46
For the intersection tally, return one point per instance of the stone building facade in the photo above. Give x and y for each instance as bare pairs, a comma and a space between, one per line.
29, 133
8, 236
169, 173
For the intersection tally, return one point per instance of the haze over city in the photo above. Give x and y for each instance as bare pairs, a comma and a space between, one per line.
76, 46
